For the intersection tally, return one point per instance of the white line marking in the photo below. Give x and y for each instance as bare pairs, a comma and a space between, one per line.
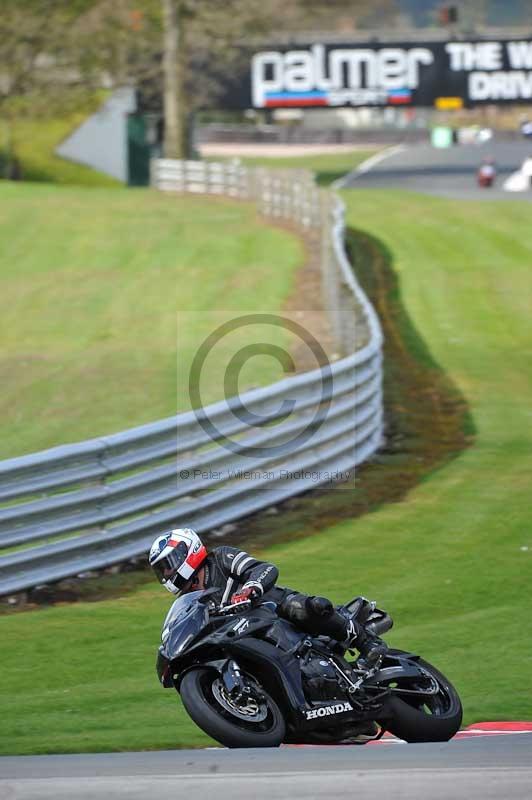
270, 775
368, 164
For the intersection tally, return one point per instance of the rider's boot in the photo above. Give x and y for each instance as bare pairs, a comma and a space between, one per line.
371, 648
349, 632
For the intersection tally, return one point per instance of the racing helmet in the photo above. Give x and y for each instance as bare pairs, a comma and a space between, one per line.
176, 556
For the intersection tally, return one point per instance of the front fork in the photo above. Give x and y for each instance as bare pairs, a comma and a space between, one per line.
235, 685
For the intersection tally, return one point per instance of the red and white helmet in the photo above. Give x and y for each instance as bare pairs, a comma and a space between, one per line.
176, 556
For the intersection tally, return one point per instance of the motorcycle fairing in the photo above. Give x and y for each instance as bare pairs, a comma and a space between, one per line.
187, 619
280, 674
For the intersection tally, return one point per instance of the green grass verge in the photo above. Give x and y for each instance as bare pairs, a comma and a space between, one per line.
327, 167
454, 560
34, 143
107, 293
449, 561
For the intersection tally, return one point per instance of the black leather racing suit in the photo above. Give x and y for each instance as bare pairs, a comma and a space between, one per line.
230, 569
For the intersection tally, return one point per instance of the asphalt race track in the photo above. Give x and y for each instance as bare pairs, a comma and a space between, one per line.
483, 767
447, 172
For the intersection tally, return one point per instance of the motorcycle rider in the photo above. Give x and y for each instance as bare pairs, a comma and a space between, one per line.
182, 564
486, 172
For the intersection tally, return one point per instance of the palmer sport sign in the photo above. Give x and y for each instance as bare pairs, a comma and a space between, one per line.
445, 74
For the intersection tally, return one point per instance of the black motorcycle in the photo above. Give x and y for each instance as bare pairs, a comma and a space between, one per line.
251, 679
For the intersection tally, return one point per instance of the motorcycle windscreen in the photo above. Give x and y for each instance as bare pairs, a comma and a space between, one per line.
185, 619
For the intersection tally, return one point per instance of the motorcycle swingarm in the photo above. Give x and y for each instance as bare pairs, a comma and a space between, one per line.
405, 668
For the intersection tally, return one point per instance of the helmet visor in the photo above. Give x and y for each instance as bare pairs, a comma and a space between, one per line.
166, 569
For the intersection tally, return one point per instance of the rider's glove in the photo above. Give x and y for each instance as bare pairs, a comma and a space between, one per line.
248, 592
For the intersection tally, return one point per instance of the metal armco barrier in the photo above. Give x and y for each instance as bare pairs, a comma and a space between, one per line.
86, 506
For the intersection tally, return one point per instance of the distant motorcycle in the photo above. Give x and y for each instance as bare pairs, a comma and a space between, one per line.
251, 679
486, 175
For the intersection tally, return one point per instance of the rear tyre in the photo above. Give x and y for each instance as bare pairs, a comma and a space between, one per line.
434, 719
258, 723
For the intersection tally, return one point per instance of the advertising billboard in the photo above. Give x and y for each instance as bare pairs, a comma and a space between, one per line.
450, 74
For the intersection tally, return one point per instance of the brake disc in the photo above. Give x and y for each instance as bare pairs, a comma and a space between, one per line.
249, 709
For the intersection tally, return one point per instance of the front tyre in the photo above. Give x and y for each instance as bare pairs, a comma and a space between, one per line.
253, 722
435, 718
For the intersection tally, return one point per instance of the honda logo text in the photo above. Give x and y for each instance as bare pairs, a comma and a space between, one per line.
326, 711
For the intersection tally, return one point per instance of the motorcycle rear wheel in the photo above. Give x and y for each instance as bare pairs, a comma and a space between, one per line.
436, 720
205, 702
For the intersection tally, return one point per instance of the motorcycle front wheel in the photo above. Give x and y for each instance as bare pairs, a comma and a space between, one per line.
435, 717
253, 721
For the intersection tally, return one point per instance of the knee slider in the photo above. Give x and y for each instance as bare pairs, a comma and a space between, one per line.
294, 608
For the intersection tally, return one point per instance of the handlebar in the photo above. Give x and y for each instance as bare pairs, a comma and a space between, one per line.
232, 608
